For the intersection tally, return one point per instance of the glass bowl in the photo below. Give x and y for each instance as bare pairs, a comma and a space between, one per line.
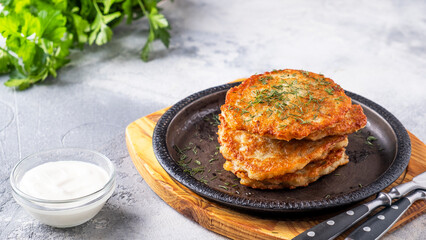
68, 212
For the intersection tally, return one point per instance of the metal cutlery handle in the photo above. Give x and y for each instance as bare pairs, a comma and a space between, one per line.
381, 222
402, 189
334, 226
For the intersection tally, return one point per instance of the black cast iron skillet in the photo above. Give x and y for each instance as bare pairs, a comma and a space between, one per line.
185, 143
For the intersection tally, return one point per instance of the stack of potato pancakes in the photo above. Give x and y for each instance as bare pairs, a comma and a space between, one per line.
286, 128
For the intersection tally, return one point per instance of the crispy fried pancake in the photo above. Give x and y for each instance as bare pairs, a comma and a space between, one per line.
301, 178
354, 120
285, 104
262, 157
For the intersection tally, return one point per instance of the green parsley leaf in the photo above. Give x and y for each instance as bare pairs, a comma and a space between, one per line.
39, 33
158, 29
82, 28
5, 64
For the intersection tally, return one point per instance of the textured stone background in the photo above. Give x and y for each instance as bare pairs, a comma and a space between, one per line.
374, 48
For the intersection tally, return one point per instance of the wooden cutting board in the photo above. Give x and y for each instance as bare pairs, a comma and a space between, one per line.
225, 221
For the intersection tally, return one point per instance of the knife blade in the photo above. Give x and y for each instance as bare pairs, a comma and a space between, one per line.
381, 222
333, 227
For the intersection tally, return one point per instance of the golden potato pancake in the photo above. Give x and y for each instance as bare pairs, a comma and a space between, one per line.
354, 120
285, 104
312, 172
261, 157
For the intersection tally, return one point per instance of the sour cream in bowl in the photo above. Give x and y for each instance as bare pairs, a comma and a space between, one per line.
63, 187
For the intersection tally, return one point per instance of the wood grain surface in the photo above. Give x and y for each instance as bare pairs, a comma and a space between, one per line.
230, 223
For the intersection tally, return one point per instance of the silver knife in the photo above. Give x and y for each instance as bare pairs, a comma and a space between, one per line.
381, 222
333, 227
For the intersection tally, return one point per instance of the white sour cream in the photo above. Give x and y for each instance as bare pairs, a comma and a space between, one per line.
63, 180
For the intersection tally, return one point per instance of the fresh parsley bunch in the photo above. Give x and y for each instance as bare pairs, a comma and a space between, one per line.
39, 33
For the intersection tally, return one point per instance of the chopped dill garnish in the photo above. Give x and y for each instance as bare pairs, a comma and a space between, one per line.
339, 99
224, 187
330, 91
180, 151
213, 159
244, 112
295, 115
299, 109
185, 164
302, 121
265, 79
205, 181
370, 140
183, 157
214, 119
194, 171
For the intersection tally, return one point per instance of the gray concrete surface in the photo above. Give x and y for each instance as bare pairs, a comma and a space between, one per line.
374, 48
